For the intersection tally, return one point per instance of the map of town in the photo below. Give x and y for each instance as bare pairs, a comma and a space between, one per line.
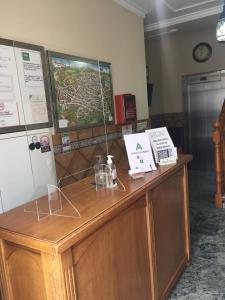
83, 92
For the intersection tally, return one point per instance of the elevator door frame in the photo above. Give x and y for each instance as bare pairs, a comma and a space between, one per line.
186, 81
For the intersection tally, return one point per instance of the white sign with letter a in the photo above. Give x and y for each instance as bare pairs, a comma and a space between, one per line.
139, 152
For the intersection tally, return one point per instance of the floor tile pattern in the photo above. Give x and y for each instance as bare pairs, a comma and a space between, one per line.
204, 279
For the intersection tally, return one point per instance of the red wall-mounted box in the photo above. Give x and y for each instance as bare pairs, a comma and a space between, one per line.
125, 108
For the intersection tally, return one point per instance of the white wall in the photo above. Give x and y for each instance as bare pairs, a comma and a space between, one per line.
170, 57
98, 29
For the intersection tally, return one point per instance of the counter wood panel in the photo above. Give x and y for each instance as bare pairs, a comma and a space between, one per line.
129, 244
24, 265
116, 257
169, 230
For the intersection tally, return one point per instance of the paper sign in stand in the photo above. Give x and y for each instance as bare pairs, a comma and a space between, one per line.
162, 145
139, 152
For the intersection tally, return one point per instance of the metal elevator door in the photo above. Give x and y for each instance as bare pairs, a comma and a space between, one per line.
205, 96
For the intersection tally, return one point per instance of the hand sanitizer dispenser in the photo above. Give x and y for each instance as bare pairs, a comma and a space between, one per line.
112, 172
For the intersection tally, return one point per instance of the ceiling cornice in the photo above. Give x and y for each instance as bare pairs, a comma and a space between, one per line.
185, 18
134, 8
184, 7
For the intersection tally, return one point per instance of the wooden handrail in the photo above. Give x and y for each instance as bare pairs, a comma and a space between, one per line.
219, 153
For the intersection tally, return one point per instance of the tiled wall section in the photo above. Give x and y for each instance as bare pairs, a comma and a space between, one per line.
168, 120
85, 145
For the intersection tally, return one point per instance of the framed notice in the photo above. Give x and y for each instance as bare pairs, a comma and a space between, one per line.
24, 92
82, 92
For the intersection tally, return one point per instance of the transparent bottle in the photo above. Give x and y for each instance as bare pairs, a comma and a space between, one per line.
100, 172
112, 175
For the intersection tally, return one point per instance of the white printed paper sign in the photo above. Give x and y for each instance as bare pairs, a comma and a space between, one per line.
22, 89
126, 129
161, 143
139, 152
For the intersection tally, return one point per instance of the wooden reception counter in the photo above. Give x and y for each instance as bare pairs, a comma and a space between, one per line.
128, 245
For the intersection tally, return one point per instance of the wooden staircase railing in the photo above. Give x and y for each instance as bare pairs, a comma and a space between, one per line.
219, 152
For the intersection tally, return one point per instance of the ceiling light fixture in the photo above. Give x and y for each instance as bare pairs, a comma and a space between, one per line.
220, 28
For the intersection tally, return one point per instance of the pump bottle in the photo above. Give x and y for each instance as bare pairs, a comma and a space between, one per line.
112, 172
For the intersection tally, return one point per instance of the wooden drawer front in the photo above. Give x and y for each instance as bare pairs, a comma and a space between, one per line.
169, 229
113, 262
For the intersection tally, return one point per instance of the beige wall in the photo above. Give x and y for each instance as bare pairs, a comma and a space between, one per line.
170, 57
98, 29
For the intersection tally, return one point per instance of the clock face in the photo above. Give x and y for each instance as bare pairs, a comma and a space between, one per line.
202, 52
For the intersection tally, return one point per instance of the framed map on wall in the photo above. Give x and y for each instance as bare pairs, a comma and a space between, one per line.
82, 92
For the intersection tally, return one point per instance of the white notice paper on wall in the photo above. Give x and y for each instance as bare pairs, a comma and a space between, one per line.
161, 143
10, 98
32, 88
126, 129
139, 152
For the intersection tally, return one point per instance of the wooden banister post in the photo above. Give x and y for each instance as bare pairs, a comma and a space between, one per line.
219, 162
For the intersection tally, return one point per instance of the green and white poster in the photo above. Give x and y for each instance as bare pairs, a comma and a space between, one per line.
139, 152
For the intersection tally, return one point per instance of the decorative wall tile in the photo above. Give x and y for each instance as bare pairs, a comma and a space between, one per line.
84, 133
73, 136
85, 145
168, 120
111, 128
56, 139
98, 131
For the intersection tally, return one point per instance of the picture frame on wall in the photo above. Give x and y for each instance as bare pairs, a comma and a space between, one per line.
81, 90
24, 91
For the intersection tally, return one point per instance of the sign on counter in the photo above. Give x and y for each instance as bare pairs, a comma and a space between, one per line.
139, 152
161, 143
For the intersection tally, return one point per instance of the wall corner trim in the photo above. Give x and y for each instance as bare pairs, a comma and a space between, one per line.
134, 8
182, 19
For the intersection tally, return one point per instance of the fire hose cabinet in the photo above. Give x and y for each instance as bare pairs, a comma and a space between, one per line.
125, 108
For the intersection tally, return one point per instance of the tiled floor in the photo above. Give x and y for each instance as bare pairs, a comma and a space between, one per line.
205, 278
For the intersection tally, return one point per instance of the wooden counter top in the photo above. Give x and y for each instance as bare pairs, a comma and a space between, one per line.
95, 207
131, 244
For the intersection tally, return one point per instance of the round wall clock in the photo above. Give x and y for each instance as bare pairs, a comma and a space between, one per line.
202, 52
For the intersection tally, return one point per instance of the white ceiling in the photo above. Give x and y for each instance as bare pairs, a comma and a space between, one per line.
164, 15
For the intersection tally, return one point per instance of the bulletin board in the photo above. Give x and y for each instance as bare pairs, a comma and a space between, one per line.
82, 92
24, 91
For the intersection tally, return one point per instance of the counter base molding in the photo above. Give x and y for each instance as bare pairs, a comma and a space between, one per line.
127, 245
